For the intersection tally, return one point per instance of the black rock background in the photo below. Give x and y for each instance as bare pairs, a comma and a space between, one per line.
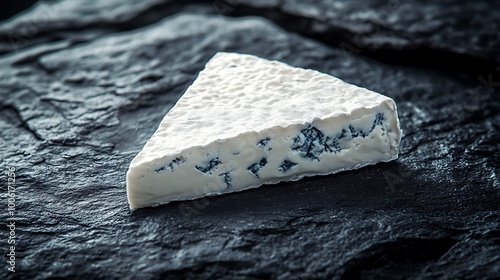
84, 84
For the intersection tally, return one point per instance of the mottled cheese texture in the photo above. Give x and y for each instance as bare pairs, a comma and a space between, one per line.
248, 121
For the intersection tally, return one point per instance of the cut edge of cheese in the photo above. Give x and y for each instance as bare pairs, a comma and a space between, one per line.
330, 140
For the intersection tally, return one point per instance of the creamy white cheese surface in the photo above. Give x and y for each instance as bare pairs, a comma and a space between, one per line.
247, 121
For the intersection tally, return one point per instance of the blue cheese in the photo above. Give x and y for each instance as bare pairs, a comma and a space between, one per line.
247, 121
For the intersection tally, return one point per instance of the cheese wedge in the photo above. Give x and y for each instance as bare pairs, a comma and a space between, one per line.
248, 121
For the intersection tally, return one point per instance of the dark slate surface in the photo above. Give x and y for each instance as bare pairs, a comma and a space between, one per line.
82, 94
456, 34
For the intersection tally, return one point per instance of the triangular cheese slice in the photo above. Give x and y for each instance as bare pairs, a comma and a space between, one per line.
247, 121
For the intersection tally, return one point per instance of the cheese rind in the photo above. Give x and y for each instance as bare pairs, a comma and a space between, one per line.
247, 121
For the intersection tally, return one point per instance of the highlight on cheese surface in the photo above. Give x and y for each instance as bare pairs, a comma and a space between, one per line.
247, 121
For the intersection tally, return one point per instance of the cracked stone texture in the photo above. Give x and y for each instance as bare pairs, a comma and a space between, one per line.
81, 96
413, 28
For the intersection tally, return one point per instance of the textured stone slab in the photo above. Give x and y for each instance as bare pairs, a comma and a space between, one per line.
434, 28
73, 119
